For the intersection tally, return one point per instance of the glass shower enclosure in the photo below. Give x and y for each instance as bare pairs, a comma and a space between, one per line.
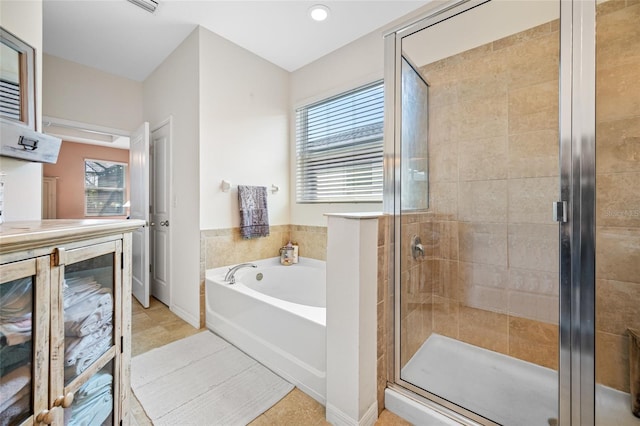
516, 203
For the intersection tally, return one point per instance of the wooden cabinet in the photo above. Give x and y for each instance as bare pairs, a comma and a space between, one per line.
65, 328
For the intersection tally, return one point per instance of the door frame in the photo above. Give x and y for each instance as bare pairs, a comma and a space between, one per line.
577, 189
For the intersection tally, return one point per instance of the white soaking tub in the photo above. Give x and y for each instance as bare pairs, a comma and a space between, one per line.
277, 315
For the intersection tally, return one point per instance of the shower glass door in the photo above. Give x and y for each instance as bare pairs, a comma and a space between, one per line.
477, 296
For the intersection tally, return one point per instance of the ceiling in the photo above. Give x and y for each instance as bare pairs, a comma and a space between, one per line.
122, 39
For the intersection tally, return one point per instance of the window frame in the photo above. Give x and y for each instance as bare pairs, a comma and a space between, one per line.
301, 138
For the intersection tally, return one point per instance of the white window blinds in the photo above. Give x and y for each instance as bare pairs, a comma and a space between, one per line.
339, 147
104, 184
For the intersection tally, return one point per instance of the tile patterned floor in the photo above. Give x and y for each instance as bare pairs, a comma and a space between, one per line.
158, 326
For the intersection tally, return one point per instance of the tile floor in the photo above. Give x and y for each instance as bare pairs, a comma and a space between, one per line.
158, 326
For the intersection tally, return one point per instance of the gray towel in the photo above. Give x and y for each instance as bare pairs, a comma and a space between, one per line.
254, 215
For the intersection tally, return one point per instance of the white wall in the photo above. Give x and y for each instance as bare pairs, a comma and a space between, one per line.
23, 180
76, 92
244, 104
353, 65
173, 90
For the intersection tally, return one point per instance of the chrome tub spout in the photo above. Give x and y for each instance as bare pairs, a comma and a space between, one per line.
230, 277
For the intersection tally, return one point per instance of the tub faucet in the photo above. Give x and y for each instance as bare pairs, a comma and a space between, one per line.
231, 273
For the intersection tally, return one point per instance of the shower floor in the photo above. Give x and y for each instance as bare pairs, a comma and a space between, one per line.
506, 390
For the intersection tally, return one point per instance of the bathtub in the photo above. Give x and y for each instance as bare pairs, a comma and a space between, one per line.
277, 315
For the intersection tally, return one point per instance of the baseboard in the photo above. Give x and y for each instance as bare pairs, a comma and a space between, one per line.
337, 417
186, 316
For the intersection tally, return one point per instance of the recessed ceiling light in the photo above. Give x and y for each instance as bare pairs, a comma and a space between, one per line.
319, 12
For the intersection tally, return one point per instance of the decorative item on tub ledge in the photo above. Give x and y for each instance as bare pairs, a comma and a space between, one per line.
225, 186
254, 214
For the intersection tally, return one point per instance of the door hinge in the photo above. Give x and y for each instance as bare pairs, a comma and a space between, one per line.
121, 344
560, 211
121, 260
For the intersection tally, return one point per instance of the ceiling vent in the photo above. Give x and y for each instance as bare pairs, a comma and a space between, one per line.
148, 5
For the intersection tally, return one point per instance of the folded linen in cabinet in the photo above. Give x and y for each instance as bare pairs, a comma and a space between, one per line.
89, 315
14, 386
16, 300
15, 333
93, 402
16, 411
81, 352
12, 357
77, 289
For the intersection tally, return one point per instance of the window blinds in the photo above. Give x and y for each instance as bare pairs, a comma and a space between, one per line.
104, 188
339, 146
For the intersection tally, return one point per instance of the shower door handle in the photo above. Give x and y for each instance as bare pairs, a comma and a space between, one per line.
417, 250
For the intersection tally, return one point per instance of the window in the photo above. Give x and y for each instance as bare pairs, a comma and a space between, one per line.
339, 147
104, 184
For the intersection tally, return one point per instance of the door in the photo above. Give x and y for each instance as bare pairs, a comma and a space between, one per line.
160, 212
477, 270
139, 177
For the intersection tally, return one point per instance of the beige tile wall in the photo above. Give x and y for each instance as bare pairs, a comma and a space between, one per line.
617, 188
221, 247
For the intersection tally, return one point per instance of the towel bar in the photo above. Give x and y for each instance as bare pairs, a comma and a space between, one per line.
225, 186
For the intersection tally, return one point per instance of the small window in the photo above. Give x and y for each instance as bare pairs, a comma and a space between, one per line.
339, 147
104, 185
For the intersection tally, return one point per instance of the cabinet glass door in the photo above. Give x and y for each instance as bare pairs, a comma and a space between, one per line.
91, 332
23, 336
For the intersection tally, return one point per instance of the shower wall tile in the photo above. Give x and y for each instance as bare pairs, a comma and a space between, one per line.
533, 61
618, 199
443, 124
533, 246
443, 199
483, 159
530, 199
440, 239
443, 163
539, 307
445, 317
482, 118
483, 243
534, 341
618, 145
483, 328
532, 281
617, 306
480, 82
534, 154
534, 108
442, 94
482, 201
608, 7
618, 254
617, 33
483, 286
442, 278
612, 359
617, 91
